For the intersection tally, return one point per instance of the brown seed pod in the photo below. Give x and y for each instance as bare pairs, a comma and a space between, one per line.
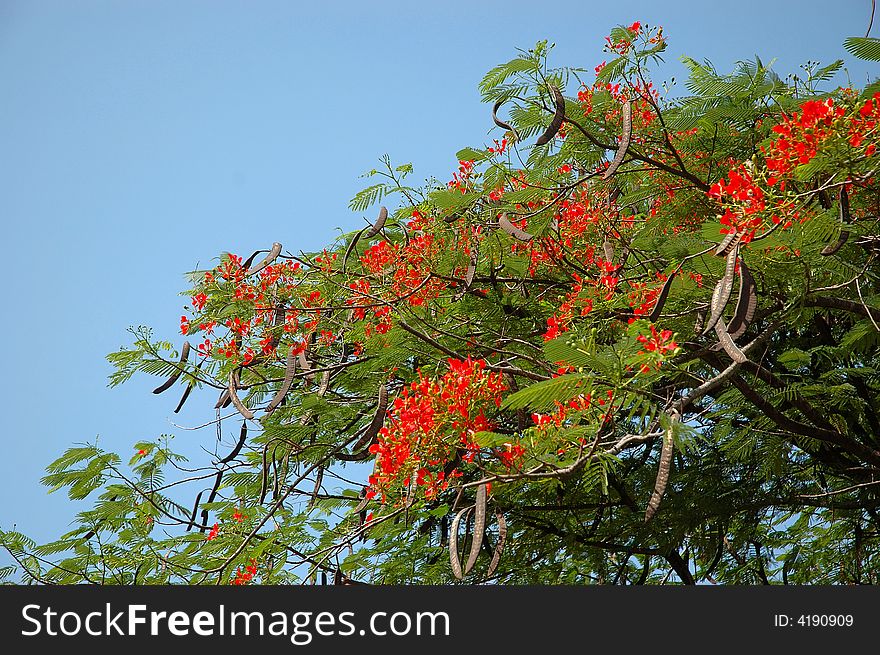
453, 544
558, 117
608, 250
728, 242
325, 383
289, 372
250, 260
360, 451
271, 257
186, 393
499, 547
471, 271
661, 299
721, 294
700, 321
211, 498
479, 528
843, 198
192, 518
223, 401
625, 136
378, 225
727, 343
242, 437
500, 123
746, 303
306, 366
351, 247
372, 431
319, 479
663, 469
184, 355
362, 504
832, 248
264, 484
233, 396
505, 224
188, 390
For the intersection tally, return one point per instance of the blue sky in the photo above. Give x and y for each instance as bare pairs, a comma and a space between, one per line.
141, 139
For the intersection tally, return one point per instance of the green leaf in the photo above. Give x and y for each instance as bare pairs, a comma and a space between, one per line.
542, 395
498, 75
469, 154
367, 197
863, 47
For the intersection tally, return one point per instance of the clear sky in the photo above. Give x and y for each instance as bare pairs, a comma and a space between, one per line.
139, 139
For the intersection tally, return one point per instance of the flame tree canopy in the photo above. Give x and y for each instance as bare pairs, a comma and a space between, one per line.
635, 340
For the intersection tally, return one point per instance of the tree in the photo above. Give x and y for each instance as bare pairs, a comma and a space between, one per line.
633, 341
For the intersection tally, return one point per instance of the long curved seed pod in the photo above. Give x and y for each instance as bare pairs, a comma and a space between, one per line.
728, 242
289, 373
746, 303
469, 273
351, 247
186, 393
472, 266
372, 431
264, 482
250, 260
325, 383
233, 396
727, 343
832, 248
242, 437
661, 299
306, 366
505, 224
378, 225
479, 528
625, 136
362, 503
268, 259
223, 401
721, 294
319, 479
608, 250
184, 355
453, 544
500, 123
843, 199
700, 321
188, 390
499, 547
663, 469
558, 117
192, 518
276, 482
211, 498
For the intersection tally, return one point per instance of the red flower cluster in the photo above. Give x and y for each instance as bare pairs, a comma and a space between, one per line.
744, 212
461, 179
244, 577
802, 134
431, 425
658, 345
